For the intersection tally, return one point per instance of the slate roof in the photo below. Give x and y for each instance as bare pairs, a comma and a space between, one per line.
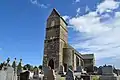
88, 56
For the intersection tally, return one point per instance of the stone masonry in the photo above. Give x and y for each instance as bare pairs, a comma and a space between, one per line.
57, 51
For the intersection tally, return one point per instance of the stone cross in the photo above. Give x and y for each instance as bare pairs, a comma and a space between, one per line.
8, 60
14, 65
69, 75
19, 67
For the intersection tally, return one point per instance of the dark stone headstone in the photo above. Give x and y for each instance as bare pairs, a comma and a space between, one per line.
61, 72
36, 74
69, 75
79, 69
107, 70
49, 74
24, 76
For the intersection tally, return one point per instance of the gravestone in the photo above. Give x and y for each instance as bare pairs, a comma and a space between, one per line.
78, 72
49, 74
107, 70
70, 75
36, 74
19, 69
3, 75
10, 73
61, 72
14, 65
25, 75
107, 74
79, 69
45, 71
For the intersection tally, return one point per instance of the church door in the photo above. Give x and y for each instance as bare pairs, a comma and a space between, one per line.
51, 64
65, 67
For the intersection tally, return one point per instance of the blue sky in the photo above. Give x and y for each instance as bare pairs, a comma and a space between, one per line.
94, 24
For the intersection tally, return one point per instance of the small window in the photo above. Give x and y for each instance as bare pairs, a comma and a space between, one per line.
53, 23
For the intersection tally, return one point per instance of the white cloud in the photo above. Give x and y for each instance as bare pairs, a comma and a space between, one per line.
77, 1
107, 5
0, 49
89, 23
66, 17
35, 2
87, 9
96, 34
43, 5
78, 11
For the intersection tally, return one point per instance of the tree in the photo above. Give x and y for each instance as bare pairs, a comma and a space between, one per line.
28, 66
35, 67
0, 66
40, 67
95, 68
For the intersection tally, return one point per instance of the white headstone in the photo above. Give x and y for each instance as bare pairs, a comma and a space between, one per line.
3, 75
10, 73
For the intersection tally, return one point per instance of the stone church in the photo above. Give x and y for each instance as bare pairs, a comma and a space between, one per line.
57, 51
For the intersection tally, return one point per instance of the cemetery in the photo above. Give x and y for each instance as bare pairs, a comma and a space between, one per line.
16, 72
60, 61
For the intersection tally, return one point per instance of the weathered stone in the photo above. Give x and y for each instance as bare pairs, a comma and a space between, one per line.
36, 73
107, 70
14, 65
57, 51
49, 74
25, 75
79, 69
10, 73
61, 71
3, 75
107, 74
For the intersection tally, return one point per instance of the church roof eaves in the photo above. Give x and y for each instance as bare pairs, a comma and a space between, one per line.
76, 52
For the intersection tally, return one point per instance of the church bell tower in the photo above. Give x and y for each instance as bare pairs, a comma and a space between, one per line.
55, 40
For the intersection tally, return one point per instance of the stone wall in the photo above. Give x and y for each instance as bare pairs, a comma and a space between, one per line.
55, 40
75, 62
68, 56
51, 51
